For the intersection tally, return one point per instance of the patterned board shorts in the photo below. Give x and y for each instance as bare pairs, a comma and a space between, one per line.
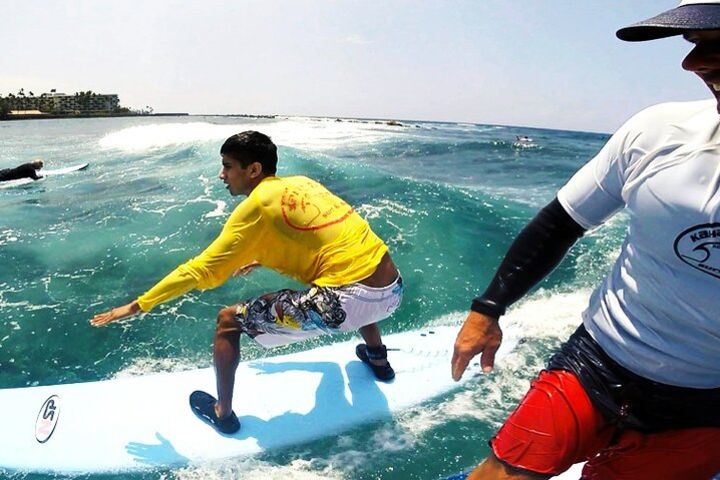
289, 316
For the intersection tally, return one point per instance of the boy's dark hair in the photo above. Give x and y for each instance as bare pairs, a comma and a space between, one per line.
251, 146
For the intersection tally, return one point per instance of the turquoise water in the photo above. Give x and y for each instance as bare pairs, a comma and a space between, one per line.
447, 198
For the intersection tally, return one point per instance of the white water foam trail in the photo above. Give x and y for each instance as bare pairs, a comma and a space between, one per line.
252, 469
313, 134
220, 205
148, 365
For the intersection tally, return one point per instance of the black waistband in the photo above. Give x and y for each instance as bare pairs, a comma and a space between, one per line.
630, 400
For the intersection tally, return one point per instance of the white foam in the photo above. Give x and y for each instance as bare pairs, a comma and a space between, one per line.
219, 211
220, 205
170, 205
384, 206
148, 137
253, 469
545, 313
549, 314
27, 306
7, 236
314, 134
392, 439
348, 460
147, 365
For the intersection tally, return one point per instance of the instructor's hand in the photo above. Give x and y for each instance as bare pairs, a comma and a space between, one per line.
479, 334
102, 319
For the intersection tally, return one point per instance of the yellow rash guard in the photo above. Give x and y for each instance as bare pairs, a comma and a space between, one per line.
293, 225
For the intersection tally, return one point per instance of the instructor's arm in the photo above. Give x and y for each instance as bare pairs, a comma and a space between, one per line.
536, 251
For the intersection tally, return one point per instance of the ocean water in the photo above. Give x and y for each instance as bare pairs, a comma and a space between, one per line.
448, 199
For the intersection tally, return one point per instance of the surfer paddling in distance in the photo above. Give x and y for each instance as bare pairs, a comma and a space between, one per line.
295, 226
635, 390
26, 170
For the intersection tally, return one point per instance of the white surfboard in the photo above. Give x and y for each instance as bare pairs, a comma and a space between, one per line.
45, 174
144, 422
573, 473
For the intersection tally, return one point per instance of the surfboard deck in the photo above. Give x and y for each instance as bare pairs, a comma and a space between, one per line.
45, 174
143, 422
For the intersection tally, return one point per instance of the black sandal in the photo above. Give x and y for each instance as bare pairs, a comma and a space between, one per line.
203, 405
382, 372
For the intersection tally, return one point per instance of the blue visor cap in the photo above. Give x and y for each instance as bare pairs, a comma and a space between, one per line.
689, 15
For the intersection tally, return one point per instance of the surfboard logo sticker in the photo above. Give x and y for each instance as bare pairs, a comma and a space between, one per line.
47, 419
699, 247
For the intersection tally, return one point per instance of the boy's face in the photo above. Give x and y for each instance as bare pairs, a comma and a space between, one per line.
237, 178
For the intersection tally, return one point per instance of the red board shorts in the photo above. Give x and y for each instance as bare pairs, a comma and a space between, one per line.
556, 425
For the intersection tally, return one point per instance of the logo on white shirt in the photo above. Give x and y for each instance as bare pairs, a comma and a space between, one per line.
699, 247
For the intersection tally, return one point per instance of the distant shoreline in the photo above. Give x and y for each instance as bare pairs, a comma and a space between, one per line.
51, 116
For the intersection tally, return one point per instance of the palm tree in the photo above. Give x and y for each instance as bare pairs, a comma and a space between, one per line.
43, 103
5, 107
78, 98
21, 94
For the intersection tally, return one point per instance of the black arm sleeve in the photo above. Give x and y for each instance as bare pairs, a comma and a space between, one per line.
536, 251
26, 170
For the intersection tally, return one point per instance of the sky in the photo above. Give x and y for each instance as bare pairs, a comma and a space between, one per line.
543, 63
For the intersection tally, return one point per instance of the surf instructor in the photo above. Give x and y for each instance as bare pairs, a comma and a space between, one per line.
635, 390
297, 227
